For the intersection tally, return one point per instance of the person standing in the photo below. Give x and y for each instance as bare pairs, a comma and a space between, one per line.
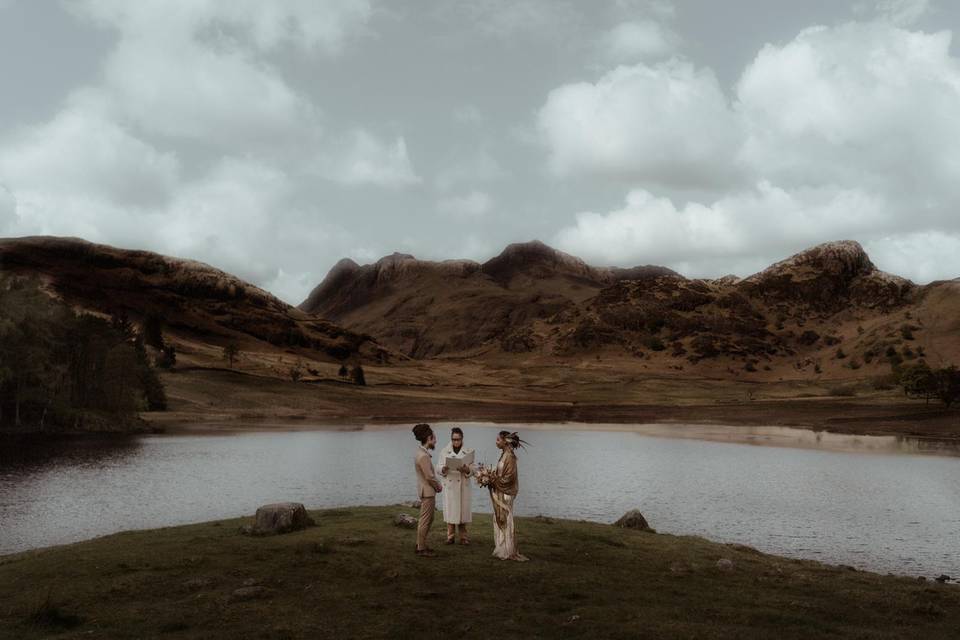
427, 486
504, 485
457, 507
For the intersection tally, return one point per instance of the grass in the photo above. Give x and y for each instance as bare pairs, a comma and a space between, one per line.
355, 576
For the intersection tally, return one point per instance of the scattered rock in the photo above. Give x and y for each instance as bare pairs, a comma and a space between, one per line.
725, 564
921, 579
942, 578
633, 519
244, 594
679, 568
282, 517
196, 584
405, 521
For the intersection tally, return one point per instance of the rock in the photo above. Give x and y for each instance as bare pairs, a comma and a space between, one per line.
282, 517
633, 519
725, 564
196, 584
405, 521
942, 578
244, 594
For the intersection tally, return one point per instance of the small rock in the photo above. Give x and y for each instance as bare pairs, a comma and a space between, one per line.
196, 584
679, 568
252, 582
942, 578
249, 593
725, 564
633, 519
405, 521
572, 619
282, 517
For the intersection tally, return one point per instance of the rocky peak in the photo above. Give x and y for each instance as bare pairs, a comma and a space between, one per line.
537, 259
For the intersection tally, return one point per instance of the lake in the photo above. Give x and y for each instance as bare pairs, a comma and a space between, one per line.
885, 504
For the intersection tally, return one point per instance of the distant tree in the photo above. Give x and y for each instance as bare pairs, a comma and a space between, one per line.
121, 324
358, 376
153, 330
231, 352
343, 373
167, 357
948, 385
906, 332
296, 371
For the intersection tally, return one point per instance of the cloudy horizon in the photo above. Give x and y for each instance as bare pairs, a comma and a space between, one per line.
271, 140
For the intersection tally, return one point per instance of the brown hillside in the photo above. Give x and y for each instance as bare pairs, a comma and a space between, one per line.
196, 301
425, 308
826, 311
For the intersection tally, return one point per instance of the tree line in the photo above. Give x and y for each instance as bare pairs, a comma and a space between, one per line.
60, 369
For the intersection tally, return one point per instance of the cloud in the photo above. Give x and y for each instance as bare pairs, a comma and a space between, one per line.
83, 152
846, 131
902, 12
306, 24
638, 40
508, 19
704, 237
922, 255
668, 123
470, 205
361, 159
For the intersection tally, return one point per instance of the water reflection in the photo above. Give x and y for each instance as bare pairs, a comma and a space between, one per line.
814, 495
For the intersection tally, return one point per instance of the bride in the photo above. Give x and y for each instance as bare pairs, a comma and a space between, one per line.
502, 481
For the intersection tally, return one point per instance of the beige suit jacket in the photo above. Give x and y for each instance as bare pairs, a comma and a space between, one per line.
427, 482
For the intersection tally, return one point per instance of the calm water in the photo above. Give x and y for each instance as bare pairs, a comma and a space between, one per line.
892, 510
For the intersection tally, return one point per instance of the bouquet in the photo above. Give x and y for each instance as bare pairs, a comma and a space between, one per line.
484, 475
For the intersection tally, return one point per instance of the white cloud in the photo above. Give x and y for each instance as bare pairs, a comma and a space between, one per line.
468, 114
920, 255
82, 152
848, 131
763, 223
638, 40
362, 159
470, 205
667, 123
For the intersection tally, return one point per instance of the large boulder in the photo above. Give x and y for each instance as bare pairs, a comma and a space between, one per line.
633, 519
282, 517
405, 521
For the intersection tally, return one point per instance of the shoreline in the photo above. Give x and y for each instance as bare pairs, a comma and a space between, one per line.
591, 580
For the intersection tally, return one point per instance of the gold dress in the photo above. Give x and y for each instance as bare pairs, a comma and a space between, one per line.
504, 485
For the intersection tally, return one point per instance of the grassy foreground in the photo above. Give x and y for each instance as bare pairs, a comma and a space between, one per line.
354, 575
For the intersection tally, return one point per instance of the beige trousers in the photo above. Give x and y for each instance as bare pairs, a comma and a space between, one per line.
427, 508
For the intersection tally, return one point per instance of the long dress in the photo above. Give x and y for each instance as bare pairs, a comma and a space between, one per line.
504, 486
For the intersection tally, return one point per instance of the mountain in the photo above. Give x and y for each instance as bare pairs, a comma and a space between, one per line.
827, 308
196, 301
426, 308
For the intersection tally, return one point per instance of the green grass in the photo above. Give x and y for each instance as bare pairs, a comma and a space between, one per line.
355, 575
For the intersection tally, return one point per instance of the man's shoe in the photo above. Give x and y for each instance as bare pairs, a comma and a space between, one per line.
449, 541
465, 542
426, 553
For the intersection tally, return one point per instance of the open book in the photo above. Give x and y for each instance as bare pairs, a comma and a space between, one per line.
454, 464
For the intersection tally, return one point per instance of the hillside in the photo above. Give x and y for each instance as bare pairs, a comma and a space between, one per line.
827, 311
426, 309
354, 576
200, 306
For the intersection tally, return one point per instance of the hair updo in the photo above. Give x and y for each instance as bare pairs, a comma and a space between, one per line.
513, 440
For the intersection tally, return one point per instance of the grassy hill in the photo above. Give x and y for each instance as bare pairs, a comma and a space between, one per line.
355, 576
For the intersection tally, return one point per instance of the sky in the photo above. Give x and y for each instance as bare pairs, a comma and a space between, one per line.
271, 139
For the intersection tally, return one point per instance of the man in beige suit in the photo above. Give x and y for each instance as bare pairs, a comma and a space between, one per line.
427, 486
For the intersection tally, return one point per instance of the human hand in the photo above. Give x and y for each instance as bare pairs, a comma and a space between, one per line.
443, 470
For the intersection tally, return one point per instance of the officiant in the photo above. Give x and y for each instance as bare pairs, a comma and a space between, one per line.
455, 469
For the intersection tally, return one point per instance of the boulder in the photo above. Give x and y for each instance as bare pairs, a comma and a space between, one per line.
633, 519
405, 521
282, 517
725, 564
